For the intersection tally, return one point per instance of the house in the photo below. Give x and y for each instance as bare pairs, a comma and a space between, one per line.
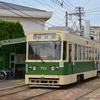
31, 19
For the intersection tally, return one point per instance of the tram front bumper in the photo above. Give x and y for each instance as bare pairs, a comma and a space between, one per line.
47, 79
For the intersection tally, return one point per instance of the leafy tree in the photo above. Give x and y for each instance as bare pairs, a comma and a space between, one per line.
10, 30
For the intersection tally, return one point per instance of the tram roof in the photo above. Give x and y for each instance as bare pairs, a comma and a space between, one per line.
7, 45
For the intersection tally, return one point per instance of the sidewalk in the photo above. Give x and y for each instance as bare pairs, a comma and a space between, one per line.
13, 83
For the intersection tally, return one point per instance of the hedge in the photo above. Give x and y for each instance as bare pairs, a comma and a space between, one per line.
10, 30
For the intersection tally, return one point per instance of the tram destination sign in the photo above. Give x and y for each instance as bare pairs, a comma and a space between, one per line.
44, 36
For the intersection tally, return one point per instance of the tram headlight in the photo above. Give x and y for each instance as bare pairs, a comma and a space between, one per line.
34, 68
52, 68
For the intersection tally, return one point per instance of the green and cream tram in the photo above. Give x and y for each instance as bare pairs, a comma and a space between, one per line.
60, 58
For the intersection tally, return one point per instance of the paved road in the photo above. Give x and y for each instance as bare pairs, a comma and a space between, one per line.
11, 83
89, 87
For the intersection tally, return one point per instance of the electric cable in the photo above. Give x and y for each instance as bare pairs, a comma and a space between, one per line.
24, 13
23, 16
87, 3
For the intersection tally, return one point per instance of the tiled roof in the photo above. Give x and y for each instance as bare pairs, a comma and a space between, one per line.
9, 6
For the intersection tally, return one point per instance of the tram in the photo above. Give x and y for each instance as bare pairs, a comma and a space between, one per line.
55, 58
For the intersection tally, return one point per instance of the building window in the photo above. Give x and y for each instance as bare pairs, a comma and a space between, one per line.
75, 51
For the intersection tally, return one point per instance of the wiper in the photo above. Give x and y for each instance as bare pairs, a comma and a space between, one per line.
37, 55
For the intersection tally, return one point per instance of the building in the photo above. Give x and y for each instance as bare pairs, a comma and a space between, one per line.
91, 29
63, 28
96, 34
31, 19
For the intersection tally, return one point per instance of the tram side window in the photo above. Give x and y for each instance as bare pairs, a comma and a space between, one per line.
64, 50
95, 53
79, 52
89, 53
99, 54
86, 53
83, 52
75, 51
92, 58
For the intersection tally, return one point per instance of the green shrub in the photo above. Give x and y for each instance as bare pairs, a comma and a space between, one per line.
10, 30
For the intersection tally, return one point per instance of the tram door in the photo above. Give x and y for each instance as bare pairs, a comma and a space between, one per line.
70, 59
70, 54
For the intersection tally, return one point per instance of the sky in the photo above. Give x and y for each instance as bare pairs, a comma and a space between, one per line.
91, 10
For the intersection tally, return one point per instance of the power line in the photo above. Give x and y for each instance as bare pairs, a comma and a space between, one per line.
60, 4
69, 3
93, 9
21, 15
87, 2
28, 14
50, 7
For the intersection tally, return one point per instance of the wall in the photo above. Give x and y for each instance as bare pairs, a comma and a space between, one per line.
28, 25
4, 61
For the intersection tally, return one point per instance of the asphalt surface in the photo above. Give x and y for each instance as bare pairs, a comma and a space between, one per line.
11, 83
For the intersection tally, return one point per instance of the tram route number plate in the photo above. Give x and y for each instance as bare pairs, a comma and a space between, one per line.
44, 36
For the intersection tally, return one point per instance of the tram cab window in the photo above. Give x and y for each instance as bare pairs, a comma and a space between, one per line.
75, 51
64, 50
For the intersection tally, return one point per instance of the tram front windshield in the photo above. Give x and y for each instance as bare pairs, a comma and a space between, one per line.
44, 50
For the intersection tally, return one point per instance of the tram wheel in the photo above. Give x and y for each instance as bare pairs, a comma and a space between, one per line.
78, 78
98, 74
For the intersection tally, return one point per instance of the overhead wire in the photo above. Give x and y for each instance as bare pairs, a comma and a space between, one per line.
70, 3
93, 9
27, 14
71, 8
19, 14
87, 2
49, 6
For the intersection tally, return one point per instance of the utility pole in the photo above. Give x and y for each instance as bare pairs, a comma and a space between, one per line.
66, 20
79, 13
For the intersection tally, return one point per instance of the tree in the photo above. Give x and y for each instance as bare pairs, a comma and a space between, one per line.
10, 30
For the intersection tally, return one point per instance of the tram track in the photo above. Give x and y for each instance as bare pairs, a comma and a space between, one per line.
25, 91
13, 92
66, 92
39, 95
86, 93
